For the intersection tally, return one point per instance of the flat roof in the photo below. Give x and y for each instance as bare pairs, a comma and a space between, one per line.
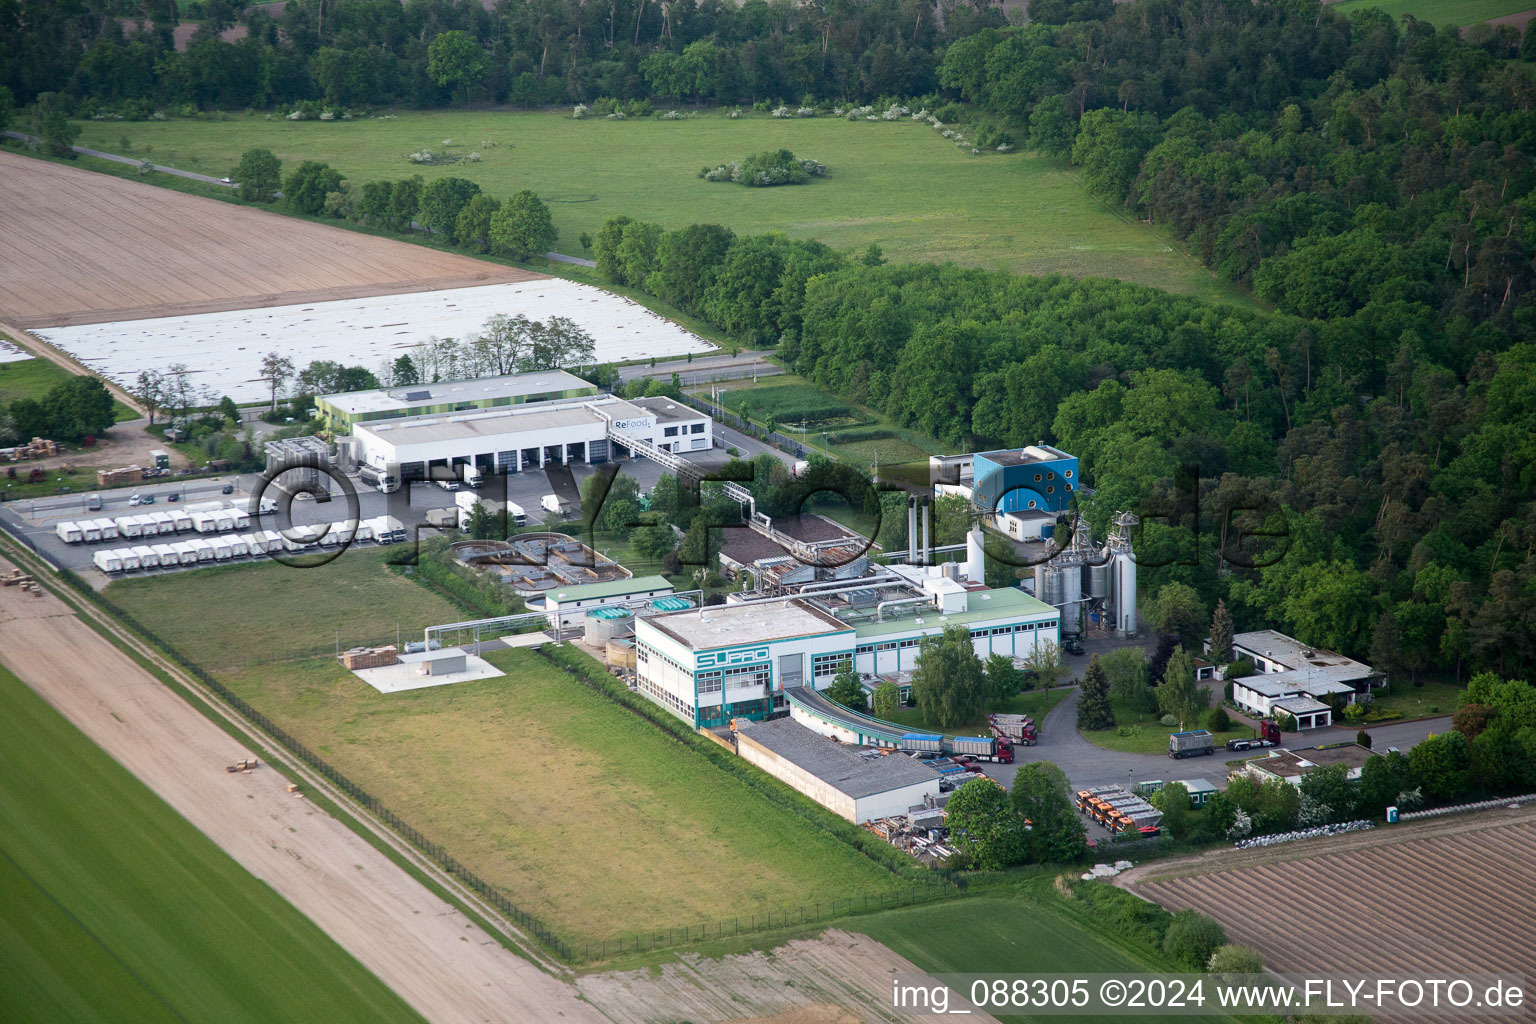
844, 769
552, 415
744, 545
1295, 763
515, 385
1197, 785
981, 605
1300, 705
1023, 456
1293, 654
731, 625
1308, 680
612, 588
668, 410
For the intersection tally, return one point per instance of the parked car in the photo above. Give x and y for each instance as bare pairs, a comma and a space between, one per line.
173, 496
149, 499
135, 499
227, 489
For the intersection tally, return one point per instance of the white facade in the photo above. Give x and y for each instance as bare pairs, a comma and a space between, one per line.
530, 436
830, 786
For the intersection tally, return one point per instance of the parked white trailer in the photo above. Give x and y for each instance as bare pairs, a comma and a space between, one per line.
187, 551
255, 543
164, 522
168, 555
225, 519
242, 518
205, 522
203, 548
127, 526
106, 529
300, 538
69, 533
364, 530
107, 561
147, 557
130, 559
238, 546
221, 549
182, 519
90, 532
148, 525
273, 539
204, 506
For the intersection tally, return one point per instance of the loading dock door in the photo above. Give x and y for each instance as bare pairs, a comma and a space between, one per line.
597, 451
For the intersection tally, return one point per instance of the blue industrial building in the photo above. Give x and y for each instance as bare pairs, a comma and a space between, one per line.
1034, 479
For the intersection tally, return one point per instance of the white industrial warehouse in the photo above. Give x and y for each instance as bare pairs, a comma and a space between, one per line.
225, 349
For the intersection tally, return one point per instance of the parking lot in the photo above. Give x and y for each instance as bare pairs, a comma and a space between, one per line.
36, 521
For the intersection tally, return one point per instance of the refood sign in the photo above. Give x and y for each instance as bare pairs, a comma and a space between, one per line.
738, 656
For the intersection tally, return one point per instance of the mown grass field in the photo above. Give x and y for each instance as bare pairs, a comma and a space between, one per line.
240, 615
1443, 12
1019, 935
1409, 701
33, 378
1140, 732
113, 908
898, 185
585, 814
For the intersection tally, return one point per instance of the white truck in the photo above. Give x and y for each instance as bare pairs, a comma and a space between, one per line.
69, 533
516, 516
471, 475
550, 503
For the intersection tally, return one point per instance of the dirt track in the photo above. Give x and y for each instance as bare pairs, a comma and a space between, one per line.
424, 949
100, 248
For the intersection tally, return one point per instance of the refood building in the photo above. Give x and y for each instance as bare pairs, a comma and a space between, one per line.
710, 665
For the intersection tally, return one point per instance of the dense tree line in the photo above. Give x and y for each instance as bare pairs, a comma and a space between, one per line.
71, 410
427, 53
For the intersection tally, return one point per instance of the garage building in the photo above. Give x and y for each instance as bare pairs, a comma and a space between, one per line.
859, 786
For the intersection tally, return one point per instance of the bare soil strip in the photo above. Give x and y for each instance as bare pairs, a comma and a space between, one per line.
94, 248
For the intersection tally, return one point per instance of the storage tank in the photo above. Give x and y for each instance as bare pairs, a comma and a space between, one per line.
1099, 577
603, 624
1071, 577
1125, 594
620, 653
1048, 585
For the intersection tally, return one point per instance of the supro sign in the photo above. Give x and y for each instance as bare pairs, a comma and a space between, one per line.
735, 656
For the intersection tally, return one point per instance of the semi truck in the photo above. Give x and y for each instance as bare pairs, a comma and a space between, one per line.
1015, 729
983, 748
471, 475
385, 480
1266, 735
550, 503
1194, 743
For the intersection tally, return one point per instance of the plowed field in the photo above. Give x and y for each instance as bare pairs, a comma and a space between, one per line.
93, 248
1446, 895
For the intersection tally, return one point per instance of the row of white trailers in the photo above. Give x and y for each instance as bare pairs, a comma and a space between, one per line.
153, 524
383, 529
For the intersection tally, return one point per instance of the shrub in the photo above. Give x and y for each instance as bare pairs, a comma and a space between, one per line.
1218, 720
1168, 720
1235, 959
767, 169
1192, 937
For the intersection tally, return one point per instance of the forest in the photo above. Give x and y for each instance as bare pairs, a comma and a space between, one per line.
1369, 180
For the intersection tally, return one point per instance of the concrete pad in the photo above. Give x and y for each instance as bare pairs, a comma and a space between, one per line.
409, 673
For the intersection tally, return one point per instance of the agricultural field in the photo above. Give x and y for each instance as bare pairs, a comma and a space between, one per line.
240, 615
898, 185
1036, 704
100, 248
117, 909
1448, 895
1442, 12
585, 814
